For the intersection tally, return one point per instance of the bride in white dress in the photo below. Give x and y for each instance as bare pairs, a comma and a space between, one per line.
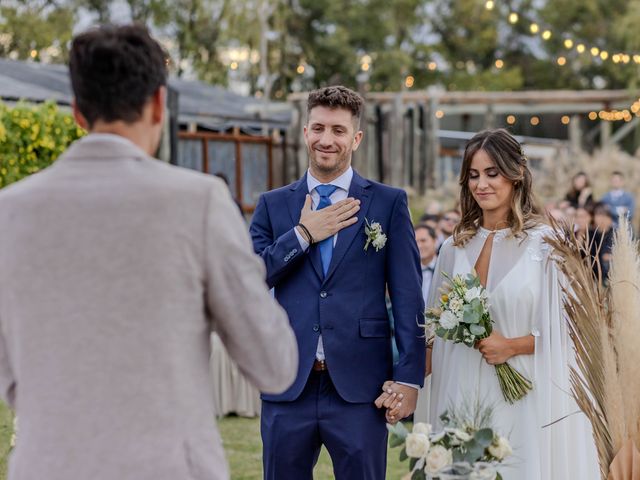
501, 235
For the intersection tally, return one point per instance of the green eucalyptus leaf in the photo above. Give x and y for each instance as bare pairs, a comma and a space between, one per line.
484, 437
477, 329
403, 454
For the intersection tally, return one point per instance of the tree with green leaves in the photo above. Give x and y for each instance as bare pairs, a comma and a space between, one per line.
35, 29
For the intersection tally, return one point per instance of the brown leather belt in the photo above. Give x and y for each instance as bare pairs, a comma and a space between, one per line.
319, 366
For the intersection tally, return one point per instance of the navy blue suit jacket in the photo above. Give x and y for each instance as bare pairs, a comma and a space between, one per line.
347, 306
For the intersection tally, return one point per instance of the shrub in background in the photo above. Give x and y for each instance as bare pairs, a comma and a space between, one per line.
32, 137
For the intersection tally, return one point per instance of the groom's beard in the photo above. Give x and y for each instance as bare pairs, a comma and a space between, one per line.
339, 164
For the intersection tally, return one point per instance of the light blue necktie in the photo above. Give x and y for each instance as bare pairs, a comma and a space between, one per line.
326, 245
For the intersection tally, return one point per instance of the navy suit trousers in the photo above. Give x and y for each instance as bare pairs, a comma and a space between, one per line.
354, 434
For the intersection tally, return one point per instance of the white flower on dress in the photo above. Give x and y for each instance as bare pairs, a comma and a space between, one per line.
417, 445
423, 428
437, 458
500, 448
375, 235
448, 320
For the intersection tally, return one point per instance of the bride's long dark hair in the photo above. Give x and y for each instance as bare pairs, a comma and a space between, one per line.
507, 155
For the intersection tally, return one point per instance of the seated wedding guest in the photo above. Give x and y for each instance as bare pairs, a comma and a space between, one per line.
603, 222
114, 269
592, 238
426, 240
619, 201
580, 194
431, 220
447, 223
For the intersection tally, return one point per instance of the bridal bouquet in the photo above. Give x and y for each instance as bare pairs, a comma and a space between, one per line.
462, 445
463, 317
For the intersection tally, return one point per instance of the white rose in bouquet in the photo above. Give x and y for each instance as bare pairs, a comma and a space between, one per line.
448, 320
500, 448
423, 428
417, 445
437, 458
472, 294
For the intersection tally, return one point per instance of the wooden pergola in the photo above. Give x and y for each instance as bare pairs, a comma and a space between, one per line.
403, 140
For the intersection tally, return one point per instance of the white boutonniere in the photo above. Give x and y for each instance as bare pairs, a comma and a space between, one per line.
375, 236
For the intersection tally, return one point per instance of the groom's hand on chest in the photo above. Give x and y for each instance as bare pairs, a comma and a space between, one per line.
327, 222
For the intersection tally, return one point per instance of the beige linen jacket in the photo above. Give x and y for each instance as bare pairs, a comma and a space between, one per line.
114, 269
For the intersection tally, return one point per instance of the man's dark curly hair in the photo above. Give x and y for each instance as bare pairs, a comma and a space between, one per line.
337, 97
114, 71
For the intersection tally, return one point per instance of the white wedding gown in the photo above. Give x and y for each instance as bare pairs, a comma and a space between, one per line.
525, 298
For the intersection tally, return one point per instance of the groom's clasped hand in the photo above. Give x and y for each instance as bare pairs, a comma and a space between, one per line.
399, 400
325, 223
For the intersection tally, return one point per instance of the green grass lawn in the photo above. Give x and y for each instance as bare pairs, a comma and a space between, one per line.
241, 438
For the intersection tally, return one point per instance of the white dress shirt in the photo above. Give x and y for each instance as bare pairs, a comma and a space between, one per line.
343, 182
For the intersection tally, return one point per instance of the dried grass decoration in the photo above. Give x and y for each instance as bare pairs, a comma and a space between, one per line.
604, 325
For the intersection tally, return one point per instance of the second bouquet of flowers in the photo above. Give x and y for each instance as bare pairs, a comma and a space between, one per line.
463, 317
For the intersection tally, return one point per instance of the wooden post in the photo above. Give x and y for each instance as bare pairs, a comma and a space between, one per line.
490, 117
369, 148
605, 133
295, 143
302, 156
432, 125
396, 140
575, 134
605, 129
359, 159
423, 172
415, 145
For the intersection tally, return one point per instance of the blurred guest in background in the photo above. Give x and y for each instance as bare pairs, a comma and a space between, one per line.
619, 201
426, 240
447, 223
431, 220
580, 194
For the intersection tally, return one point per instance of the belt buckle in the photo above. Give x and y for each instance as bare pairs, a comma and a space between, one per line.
320, 365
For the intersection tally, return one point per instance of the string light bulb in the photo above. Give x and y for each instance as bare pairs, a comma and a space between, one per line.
489, 4
562, 61
513, 18
511, 119
568, 43
565, 119
580, 48
546, 35
534, 28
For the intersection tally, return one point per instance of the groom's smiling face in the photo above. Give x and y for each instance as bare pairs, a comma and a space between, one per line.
331, 136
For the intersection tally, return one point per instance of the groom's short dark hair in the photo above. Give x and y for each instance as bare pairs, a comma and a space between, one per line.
114, 71
337, 97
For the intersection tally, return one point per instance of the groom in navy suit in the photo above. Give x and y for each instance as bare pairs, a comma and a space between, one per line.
311, 235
